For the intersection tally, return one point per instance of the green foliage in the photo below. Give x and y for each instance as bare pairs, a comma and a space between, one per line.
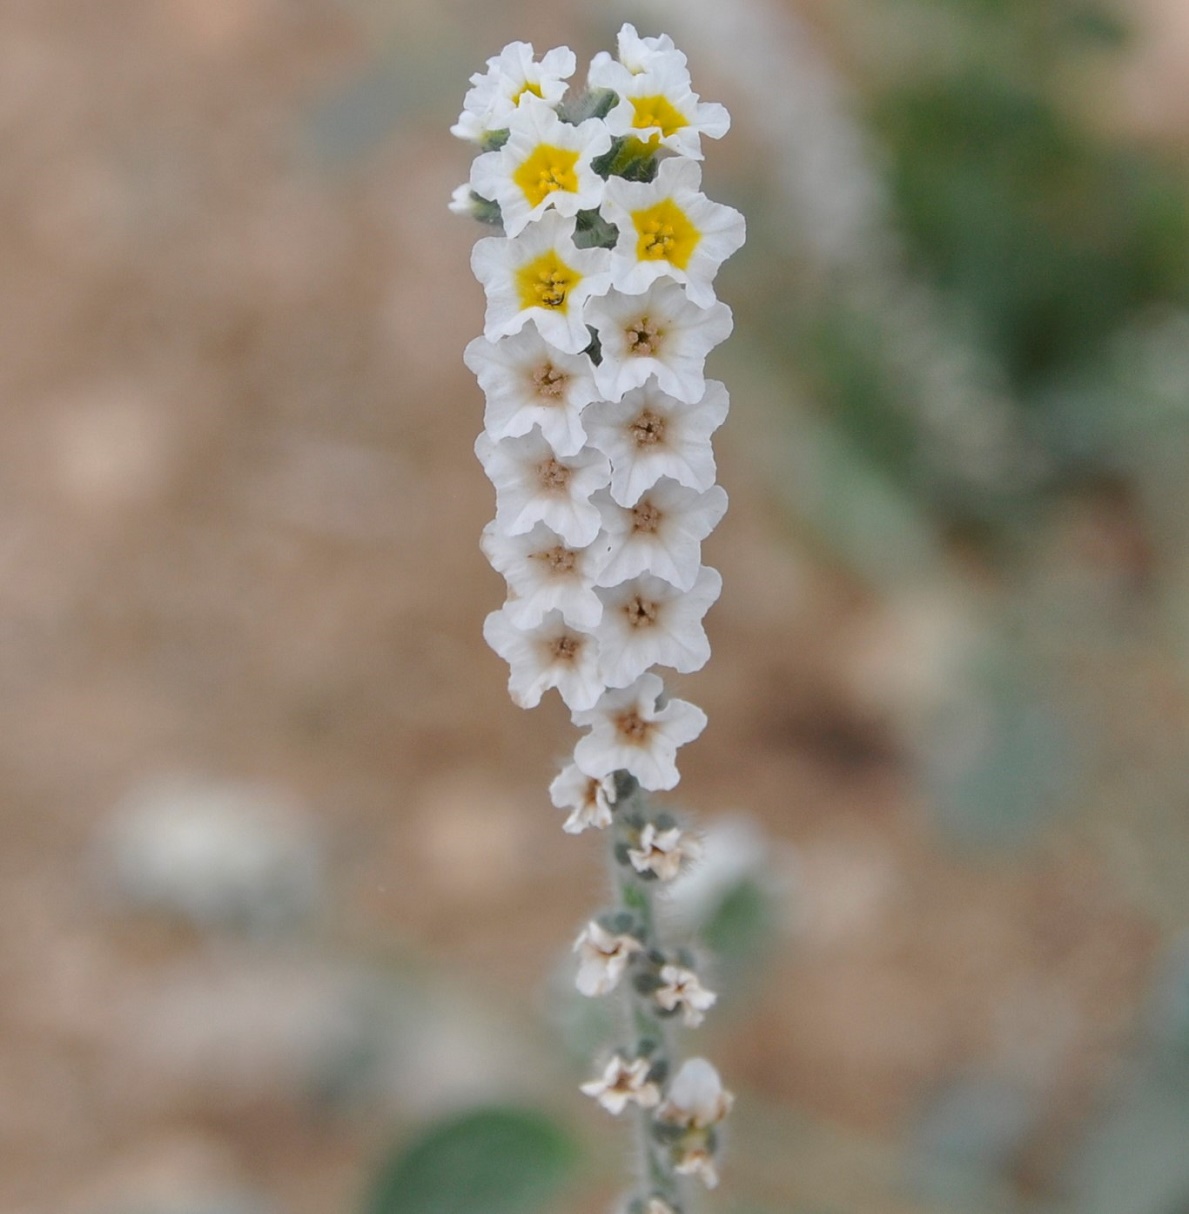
847, 358
487, 1161
1052, 237
1003, 758
740, 925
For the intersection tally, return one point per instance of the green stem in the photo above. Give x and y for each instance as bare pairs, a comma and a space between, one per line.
652, 1033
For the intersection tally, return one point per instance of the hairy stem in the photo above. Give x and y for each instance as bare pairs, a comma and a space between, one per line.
651, 1032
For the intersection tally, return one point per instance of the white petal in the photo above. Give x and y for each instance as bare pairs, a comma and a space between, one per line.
534, 485
529, 383
497, 261
551, 655
660, 534
649, 435
649, 622
627, 732
657, 333
533, 126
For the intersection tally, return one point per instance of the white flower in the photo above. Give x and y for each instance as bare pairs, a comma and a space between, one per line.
636, 55
545, 574
697, 1160
544, 165
602, 958
667, 227
541, 275
624, 1081
648, 435
683, 990
663, 852
661, 534
588, 798
647, 622
535, 485
696, 1098
628, 732
550, 655
512, 77
528, 383
658, 107
661, 333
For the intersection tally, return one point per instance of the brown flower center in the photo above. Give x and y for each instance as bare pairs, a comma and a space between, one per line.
553, 475
549, 383
646, 517
566, 647
648, 429
640, 612
643, 337
559, 559
632, 726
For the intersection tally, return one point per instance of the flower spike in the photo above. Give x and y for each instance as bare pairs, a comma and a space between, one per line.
601, 312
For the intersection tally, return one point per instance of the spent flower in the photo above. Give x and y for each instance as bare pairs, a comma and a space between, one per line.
681, 988
624, 1081
603, 957
663, 852
588, 798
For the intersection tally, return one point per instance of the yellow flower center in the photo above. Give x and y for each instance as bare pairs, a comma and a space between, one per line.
529, 87
665, 234
546, 282
545, 171
657, 111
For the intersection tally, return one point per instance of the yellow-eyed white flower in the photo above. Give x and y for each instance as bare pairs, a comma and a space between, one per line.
543, 276
512, 77
669, 228
658, 107
544, 165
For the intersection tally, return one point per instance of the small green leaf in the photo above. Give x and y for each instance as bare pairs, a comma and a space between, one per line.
488, 1161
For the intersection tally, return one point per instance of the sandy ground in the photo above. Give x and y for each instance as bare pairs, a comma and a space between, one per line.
239, 531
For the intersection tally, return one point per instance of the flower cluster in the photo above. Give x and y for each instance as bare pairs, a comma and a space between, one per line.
600, 314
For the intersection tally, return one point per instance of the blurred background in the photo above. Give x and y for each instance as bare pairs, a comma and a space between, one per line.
283, 897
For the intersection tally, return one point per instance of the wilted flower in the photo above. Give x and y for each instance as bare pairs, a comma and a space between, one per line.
682, 989
624, 1081
602, 958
